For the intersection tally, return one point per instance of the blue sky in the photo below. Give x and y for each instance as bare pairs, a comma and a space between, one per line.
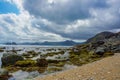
57, 20
6, 7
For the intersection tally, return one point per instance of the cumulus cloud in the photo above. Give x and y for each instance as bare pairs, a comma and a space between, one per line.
20, 28
60, 19
75, 19
62, 11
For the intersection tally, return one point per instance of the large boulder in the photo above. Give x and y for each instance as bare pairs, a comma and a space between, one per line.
100, 51
8, 54
10, 59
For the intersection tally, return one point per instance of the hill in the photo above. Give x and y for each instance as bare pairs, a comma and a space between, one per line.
61, 43
66, 43
107, 40
100, 36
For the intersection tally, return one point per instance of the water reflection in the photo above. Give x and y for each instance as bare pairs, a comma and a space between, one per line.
22, 75
1, 54
33, 72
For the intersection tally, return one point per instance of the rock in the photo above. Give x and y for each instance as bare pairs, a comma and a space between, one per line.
100, 42
100, 36
97, 44
10, 59
116, 48
25, 63
4, 74
42, 63
110, 40
8, 54
1, 50
33, 74
100, 51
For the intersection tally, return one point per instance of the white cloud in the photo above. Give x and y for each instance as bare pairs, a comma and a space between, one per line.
19, 27
55, 20
19, 3
65, 17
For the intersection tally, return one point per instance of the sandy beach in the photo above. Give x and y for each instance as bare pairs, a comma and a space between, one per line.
105, 69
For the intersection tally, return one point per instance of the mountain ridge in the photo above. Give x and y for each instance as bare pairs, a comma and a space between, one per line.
105, 36
60, 43
102, 42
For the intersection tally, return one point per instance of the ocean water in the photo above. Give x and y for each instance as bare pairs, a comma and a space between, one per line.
23, 75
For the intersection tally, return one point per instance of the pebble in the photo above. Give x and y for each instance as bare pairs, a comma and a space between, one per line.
79, 76
95, 71
108, 72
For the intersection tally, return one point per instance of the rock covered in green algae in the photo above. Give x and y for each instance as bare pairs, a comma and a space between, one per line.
42, 62
10, 59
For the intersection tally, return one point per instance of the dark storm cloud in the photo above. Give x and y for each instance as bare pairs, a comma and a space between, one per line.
63, 11
61, 19
101, 15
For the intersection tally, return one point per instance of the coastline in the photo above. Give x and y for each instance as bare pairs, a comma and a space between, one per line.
104, 69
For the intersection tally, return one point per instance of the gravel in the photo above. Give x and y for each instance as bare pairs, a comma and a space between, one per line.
104, 69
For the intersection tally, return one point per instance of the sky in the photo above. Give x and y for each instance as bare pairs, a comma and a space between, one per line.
57, 20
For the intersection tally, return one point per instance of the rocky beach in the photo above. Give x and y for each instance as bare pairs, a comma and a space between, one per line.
96, 57
104, 69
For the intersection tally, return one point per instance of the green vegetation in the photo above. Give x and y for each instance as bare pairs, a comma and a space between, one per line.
54, 69
28, 69
83, 56
59, 64
54, 53
52, 49
33, 53
108, 54
25, 63
12, 68
56, 61
78, 55
30, 54
42, 62
39, 69
79, 58
28, 65
11, 59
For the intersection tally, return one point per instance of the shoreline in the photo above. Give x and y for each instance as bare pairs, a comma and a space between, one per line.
104, 69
